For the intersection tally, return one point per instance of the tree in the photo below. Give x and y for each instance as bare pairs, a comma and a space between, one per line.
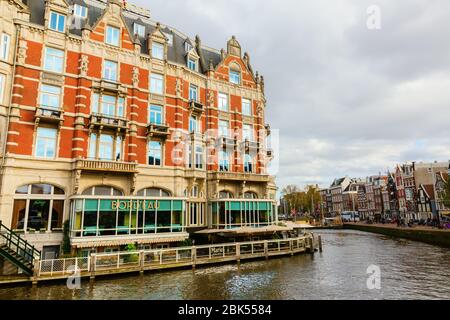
446, 195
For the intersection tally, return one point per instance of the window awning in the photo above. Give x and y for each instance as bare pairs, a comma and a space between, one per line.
123, 242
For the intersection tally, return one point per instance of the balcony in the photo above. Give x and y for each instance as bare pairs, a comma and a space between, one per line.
49, 115
105, 166
196, 107
226, 142
109, 86
239, 176
250, 145
103, 121
268, 131
158, 130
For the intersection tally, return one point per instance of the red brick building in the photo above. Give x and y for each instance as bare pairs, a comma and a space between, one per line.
113, 116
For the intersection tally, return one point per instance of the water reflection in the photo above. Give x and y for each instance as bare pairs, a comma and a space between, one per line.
409, 270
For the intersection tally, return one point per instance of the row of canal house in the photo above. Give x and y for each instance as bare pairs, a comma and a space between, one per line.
413, 191
127, 130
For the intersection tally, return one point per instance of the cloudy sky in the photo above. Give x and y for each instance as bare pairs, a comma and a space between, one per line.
347, 100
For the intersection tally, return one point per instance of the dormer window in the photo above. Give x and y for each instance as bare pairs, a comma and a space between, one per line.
187, 46
80, 11
57, 22
193, 64
235, 77
112, 36
158, 50
139, 29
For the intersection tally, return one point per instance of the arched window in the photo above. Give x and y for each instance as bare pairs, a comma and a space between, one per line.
250, 195
153, 192
38, 208
224, 194
102, 191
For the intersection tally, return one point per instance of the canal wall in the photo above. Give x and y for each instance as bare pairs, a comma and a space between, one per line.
434, 237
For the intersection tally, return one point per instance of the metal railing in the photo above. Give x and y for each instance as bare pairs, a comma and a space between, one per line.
148, 259
63, 266
18, 245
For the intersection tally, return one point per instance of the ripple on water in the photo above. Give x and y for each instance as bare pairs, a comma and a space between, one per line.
409, 270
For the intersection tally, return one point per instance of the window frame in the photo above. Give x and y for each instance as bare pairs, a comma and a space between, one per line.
139, 29
81, 9
223, 102
193, 88
244, 102
160, 50
107, 69
2, 87
110, 33
4, 49
155, 76
233, 73
57, 62
43, 93
192, 64
149, 153
58, 17
151, 112
53, 140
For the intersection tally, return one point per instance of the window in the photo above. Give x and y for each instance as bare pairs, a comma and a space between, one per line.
246, 107
193, 93
80, 11
169, 38
250, 195
2, 87
139, 29
158, 50
57, 22
192, 64
187, 46
102, 191
45, 142
199, 157
155, 114
154, 153
193, 124
224, 161
50, 96
247, 132
108, 146
38, 207
223, 102
4, 46
109, 105
225, 195
110, 70
54, 60
248, 163
112, 36
235, 77
153, 192
156, 83
223, 128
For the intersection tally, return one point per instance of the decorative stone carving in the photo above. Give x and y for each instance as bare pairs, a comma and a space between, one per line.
234, 48
135, 77
76, 185
84, 63
179, 87
211, 98
22, 52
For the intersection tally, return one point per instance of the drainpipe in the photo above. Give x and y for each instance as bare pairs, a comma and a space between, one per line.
10, 100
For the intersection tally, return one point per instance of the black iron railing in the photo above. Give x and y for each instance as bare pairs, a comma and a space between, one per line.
18, 245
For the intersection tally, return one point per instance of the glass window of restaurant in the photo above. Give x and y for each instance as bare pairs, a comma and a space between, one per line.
38, 208
151, 212
237, 214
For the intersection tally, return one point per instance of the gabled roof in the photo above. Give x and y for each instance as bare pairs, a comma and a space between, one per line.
176, 51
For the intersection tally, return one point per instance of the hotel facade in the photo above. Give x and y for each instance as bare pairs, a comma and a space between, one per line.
129, 130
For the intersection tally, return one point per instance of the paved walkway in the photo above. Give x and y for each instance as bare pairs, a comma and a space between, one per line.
394, 226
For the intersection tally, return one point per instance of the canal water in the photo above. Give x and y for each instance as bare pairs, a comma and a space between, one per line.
408, 270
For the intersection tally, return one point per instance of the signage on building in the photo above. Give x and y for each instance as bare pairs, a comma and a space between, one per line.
135, 204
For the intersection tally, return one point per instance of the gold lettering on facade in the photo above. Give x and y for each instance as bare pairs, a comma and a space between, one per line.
135, 205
